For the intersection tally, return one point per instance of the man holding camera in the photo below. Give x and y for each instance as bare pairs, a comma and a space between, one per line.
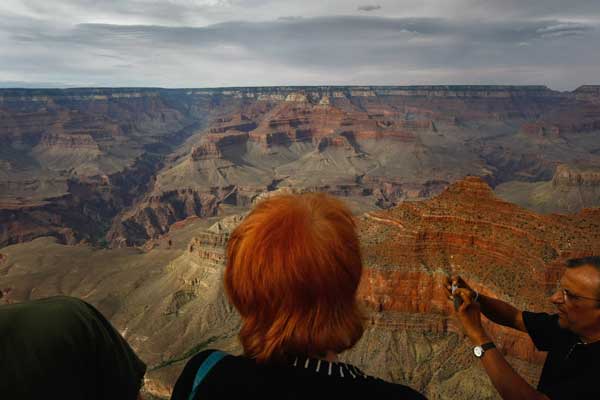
571, 336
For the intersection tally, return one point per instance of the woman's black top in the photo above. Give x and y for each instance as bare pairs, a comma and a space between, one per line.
304, 378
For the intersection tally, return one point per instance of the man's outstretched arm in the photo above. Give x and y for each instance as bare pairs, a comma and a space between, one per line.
509, 384
502, 313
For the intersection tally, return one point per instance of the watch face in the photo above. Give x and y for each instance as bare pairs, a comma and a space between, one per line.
478, 351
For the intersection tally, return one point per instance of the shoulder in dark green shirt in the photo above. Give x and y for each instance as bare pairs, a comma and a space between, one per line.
62, 347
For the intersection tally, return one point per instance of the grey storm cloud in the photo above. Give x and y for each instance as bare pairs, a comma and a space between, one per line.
323, 40
533, 8
299, 49
371, 7
156, 11
563, 29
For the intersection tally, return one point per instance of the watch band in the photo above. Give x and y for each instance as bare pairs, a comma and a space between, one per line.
488, 345
479, 351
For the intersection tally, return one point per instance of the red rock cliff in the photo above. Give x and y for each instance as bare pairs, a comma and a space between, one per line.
503, 250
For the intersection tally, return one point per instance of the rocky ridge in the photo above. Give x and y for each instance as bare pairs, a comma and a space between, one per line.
212, 147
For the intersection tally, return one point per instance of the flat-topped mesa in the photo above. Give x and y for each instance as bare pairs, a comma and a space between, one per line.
572, 176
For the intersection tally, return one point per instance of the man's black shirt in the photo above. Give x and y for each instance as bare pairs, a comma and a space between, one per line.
305, 378
572, 368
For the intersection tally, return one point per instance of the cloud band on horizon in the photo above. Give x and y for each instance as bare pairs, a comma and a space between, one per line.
314, 50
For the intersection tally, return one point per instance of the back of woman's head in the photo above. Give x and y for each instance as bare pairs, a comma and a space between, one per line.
293, 268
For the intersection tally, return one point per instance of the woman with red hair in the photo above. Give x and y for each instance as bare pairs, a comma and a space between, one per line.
293, 268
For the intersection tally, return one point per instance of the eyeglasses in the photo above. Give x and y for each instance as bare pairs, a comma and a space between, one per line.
570, 297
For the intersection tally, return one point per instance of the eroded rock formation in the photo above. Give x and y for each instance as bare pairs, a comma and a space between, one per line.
505, 251
201, 149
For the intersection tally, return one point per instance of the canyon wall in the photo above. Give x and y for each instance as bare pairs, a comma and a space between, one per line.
118, 167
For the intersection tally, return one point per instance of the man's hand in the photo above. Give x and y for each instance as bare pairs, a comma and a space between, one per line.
496, 310
469, 316
468, 312
457, 282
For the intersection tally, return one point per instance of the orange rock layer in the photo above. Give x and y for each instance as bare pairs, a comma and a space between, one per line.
505, 251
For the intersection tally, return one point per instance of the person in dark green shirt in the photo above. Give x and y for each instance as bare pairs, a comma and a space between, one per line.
62, 347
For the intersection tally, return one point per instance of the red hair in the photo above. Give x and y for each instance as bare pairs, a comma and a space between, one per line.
293, 268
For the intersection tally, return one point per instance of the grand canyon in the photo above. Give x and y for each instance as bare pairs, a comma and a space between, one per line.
126, 198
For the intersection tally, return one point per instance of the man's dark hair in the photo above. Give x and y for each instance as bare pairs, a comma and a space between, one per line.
578, 262
594, 261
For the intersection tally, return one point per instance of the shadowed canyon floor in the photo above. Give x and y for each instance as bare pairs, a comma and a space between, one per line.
167, 298
118, 167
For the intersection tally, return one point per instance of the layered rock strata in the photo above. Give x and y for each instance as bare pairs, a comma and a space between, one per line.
505, 251
213, 147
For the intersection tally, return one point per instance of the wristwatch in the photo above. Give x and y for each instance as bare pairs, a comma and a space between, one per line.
479, 351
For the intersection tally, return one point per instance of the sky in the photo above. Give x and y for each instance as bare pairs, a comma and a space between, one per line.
219, 43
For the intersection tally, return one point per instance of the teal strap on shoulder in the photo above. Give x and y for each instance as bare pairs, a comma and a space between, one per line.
204, 369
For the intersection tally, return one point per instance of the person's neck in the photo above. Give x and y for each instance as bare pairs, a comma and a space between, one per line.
329, 356
590, 337
589, 340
